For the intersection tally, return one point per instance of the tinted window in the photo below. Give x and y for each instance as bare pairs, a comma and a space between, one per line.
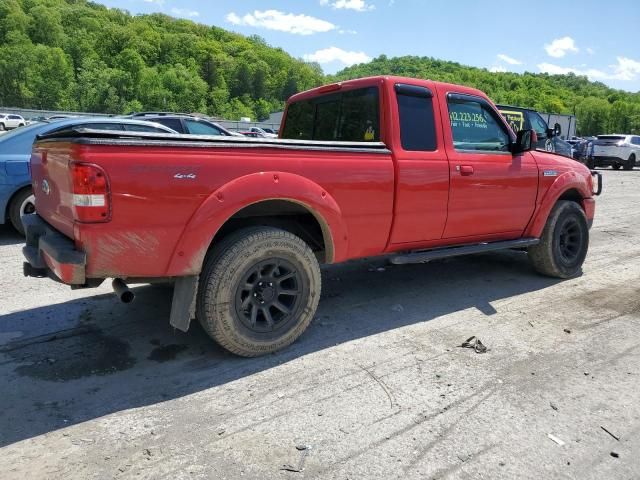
635, 140
201, 128
475, 126
417, 127
172, 123
349, 116
14, 117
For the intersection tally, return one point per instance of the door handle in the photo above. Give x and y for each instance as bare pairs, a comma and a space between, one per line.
465, 169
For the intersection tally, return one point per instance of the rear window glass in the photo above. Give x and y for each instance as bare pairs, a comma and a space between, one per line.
351, 116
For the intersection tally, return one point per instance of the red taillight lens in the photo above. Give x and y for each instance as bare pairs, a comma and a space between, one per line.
91, 195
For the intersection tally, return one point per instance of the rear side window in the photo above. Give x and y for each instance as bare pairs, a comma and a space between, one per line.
475, 126
201, 128
351, 116
635, 140
417, 124
172, 123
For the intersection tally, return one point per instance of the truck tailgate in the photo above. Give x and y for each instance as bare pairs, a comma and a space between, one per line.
52, 185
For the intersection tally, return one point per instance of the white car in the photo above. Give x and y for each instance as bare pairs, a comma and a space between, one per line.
9, 121
260, 132
617, 150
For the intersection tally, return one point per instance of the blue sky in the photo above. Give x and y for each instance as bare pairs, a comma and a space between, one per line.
594, 38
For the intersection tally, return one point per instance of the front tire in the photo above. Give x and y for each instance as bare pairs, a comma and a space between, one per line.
630, 163
259, 290
616, 166
2, 127
22, 204
564, 242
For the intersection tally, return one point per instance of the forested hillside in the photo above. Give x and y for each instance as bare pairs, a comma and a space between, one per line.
78, 55
598, 108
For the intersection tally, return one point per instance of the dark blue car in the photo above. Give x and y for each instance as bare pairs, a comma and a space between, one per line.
16, 197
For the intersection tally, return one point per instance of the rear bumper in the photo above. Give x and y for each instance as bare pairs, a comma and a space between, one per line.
51, 254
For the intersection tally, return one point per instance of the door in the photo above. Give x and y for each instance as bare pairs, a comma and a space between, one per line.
422, 170
492, 192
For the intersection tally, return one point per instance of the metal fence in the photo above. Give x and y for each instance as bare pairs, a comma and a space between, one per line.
30, 114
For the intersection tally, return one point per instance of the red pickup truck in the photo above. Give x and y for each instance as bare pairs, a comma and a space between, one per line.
411, 169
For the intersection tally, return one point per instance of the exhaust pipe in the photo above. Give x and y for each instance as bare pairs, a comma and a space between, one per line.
122, 291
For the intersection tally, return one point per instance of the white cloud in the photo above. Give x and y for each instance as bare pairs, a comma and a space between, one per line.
626, 69
335, 54
561, 46
183, 12
282, 22
591, 51
157, 2
498, 68
509, 60
357, 5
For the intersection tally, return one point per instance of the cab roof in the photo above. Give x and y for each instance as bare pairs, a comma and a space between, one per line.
383, 79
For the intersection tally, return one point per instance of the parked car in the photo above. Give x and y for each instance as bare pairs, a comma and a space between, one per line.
240, 226
16, 196
262, 132
187, 124
9, 121
615, 150
520, 118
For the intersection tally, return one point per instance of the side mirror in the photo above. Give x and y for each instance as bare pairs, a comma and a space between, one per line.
525, 141
557, 130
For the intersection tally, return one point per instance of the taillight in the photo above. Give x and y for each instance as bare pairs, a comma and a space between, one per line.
91, 194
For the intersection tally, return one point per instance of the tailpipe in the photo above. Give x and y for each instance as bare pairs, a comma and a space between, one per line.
122, 291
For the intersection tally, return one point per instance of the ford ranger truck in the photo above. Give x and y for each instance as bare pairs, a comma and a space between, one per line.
413, 170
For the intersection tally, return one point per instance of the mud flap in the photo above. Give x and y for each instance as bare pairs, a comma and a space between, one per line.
183, 305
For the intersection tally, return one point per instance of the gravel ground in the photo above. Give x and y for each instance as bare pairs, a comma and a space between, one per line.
377, 387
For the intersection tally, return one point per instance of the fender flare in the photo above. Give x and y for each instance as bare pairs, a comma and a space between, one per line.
567, 181
189, 253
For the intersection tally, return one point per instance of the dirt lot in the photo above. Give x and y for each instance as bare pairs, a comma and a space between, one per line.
377, 388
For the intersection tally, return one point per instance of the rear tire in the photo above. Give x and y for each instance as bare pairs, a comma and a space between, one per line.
590, 164
2, 127
23, 203
630, 163
259, 290
564, 242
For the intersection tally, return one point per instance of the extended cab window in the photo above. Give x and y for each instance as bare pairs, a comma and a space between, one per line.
475, 125
351, 116
417, 125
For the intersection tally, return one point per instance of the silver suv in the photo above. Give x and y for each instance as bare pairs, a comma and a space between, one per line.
616, 151
8, 121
